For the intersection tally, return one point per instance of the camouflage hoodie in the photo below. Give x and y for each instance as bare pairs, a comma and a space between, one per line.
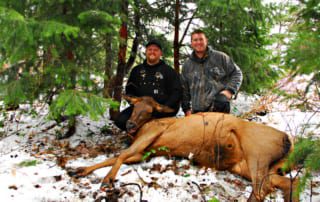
203, 78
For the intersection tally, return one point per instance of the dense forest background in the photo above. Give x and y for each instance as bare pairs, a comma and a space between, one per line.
74, 54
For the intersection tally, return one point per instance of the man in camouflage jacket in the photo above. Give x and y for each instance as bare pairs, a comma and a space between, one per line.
209, 78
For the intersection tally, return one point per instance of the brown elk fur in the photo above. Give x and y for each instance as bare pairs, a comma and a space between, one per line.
216, 140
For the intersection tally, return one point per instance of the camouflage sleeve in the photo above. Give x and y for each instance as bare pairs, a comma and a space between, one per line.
186, 97
235, 76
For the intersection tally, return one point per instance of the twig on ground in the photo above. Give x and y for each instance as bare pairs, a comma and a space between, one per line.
203, 198
136, 184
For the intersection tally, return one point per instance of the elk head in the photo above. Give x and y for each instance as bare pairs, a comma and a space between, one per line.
142, 111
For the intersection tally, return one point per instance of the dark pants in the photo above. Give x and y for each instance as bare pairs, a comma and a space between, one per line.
125, 115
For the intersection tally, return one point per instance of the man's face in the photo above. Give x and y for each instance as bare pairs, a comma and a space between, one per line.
153, 54
199, 42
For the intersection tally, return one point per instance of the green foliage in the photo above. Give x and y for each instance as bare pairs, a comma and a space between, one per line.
99, 20
153, 151
49, 48
148, 154
302, 54
73, 103
105, 129
28, 163
241, 29
307, 153
14, 93
19, 90
51, 29
213, 200
164, 148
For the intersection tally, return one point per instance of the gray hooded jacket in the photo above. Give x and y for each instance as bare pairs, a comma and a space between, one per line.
202, 79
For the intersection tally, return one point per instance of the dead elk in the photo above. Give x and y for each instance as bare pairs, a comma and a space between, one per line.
221, 141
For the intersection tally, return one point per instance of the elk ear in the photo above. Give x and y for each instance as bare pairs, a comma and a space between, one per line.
131, 99
163, 108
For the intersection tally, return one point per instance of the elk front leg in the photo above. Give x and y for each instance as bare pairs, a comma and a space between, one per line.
134, 152
84, 171
107, 181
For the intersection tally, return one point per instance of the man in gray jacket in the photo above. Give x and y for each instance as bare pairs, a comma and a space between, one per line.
209, 78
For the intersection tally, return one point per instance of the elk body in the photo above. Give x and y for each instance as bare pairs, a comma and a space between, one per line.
221, 141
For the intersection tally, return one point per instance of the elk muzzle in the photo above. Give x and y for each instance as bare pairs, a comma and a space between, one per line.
131, 126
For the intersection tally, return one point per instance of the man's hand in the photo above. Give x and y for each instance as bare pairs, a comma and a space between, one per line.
187, 113
227, 93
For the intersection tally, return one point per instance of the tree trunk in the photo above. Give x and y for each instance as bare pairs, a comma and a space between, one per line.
176, 45
115, 84
108, 66
117, 80
70, 57
136, 40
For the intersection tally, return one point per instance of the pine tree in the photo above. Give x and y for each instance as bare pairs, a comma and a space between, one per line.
306, 155
53, 49
241, 28
302, 55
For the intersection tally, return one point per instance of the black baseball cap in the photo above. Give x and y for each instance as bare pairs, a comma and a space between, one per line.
154, 42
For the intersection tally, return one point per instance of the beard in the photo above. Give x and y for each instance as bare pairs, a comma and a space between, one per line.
153, 60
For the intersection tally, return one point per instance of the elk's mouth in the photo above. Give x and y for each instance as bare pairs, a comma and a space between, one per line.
132, 130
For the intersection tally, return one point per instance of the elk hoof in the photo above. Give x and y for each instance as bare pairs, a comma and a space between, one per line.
106, 186
112, 194
78, 172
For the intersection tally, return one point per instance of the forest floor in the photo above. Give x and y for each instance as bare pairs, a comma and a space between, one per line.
34, 158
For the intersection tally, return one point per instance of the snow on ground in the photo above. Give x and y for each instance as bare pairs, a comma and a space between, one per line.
29, 138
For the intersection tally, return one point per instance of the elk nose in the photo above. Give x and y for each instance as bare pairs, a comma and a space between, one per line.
130, 125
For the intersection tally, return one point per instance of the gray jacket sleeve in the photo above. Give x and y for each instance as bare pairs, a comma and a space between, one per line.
235, 76
186, 97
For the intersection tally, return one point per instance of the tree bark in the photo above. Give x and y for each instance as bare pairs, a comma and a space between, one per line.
115, 84
108, 65
117, 81
137, 38
176, 45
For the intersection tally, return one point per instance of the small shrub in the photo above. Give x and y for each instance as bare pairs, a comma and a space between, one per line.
28, 163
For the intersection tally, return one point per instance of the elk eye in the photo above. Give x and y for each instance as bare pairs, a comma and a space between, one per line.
229, 146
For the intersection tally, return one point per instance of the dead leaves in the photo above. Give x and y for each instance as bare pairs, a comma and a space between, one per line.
14, 187
62, 151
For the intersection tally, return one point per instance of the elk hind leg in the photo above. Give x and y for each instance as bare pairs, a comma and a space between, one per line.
288, 187
260, 178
